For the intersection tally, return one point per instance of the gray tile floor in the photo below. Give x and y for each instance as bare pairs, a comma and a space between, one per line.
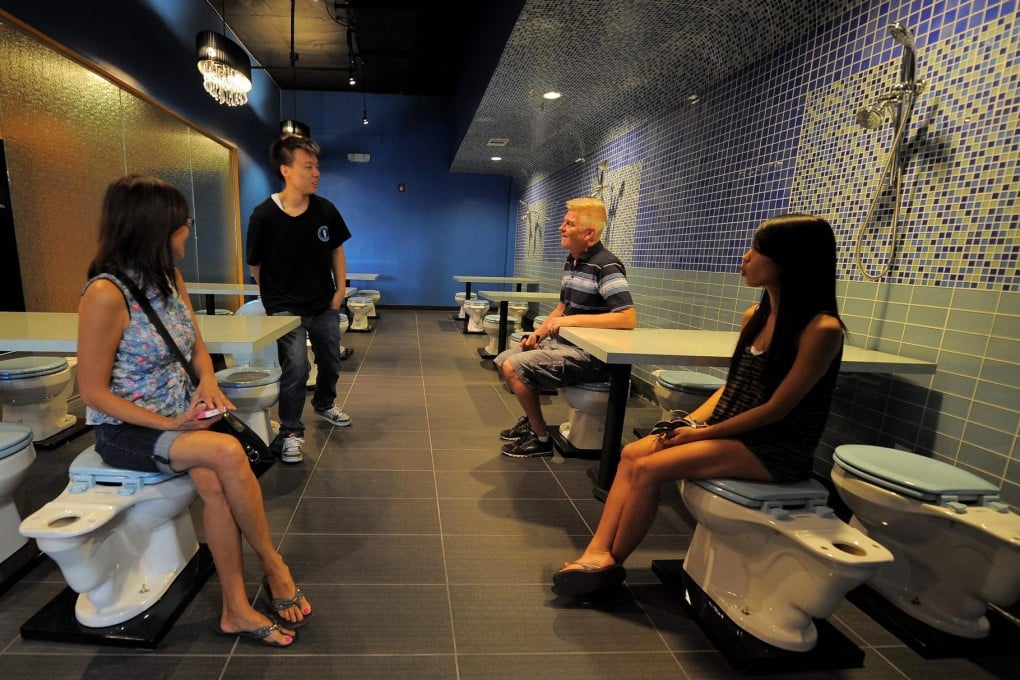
428, 555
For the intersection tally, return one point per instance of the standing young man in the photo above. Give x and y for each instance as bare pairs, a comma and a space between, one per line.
594, 294
296, 254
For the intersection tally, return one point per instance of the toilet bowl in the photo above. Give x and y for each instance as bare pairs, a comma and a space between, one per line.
476, 311
372, 295
538, 320
516, 311
459, 298
120, 537
34, 391
680, 392
490, 324
773, 556
586, 424
359, 307
16, 455
957, 546
253, 390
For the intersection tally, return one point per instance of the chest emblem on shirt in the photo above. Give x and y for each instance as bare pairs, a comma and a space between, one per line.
323, 233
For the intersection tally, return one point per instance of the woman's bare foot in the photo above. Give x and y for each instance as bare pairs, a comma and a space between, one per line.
591, 559
289, 603
252, 622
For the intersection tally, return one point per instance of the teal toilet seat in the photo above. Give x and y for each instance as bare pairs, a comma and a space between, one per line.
13, 439
771, 498
690, 382
916, 476
88, 469
31, 367
248, 376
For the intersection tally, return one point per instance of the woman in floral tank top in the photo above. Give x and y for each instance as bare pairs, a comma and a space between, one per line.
145, 408
763, 424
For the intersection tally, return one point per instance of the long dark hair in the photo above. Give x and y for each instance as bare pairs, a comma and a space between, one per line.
804, 249
140, 214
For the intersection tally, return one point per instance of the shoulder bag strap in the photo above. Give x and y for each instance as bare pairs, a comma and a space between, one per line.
158, 323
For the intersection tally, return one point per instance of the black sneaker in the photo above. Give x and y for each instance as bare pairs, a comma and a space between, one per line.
517, 432
529, 446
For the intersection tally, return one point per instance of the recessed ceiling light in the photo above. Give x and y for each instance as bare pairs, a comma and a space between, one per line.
552, 94
496, 158
693, 98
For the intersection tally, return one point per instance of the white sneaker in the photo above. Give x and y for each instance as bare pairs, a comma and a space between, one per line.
291, 452
335, 416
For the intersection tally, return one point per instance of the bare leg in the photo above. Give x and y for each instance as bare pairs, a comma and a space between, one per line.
633, 499
528, 399
225, 481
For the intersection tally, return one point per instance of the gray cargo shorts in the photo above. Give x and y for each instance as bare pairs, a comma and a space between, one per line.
553, 364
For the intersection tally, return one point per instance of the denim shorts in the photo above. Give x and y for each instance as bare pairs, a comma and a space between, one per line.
553, 364
131, 447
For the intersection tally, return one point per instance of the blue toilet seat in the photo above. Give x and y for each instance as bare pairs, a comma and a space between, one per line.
690, 382
769, 497
13, 439
31, 367
88, 469
248, 376
916, 476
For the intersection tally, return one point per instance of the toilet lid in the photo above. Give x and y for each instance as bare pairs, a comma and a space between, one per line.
911, 474
31, 367
88, 468
517, 336
248, 376
494, 318
767, 495
358, 301
592, 386
13, 438
691, 382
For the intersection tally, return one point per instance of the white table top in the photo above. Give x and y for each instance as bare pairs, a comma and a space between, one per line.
361, 277
58, 332
517, 296
493, 279
197, 288
712, 348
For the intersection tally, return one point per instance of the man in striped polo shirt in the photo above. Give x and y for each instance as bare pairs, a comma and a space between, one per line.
594, 294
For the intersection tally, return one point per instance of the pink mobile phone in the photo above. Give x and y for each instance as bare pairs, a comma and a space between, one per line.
211, 413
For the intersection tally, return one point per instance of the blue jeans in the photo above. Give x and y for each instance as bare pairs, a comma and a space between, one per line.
323, 330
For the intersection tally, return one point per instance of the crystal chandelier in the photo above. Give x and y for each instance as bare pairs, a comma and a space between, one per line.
225, 68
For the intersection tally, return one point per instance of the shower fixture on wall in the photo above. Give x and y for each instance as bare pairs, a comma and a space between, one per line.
600, 190
897, 103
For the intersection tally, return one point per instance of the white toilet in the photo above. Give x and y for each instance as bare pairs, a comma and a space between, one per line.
516, 311
539, 320
459, 298
773, 556
360, 306
586, 425
16, 455
680, 392
252, 384
372, 295
120, 537
476, 311
34, 391
957, 546
490, 324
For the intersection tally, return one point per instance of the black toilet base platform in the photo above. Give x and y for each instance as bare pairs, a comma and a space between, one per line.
56, 621
746, 653
568, 450
484, 354
58, 439
20, 562
368, 329
932, 643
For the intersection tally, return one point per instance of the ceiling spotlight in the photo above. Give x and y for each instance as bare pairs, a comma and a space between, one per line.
496, 158
225, 68
364, 112
295, 127
552, 94
352, 81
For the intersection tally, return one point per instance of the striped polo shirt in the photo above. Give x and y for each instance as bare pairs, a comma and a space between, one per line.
597, 284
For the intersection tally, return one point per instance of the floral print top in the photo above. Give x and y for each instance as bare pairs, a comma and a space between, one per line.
145, 370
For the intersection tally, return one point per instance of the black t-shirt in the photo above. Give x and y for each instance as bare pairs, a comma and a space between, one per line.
295, 255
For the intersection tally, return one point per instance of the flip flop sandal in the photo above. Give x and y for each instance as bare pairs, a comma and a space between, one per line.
279, 604
260, 634
588, 579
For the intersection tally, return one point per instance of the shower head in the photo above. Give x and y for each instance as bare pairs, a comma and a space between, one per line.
870, 117
903, 36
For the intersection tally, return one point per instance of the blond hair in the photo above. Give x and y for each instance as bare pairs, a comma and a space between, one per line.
591, 214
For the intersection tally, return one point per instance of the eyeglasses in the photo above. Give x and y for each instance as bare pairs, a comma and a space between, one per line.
190, 222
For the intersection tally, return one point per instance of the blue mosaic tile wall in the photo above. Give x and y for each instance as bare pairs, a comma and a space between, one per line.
686, 186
